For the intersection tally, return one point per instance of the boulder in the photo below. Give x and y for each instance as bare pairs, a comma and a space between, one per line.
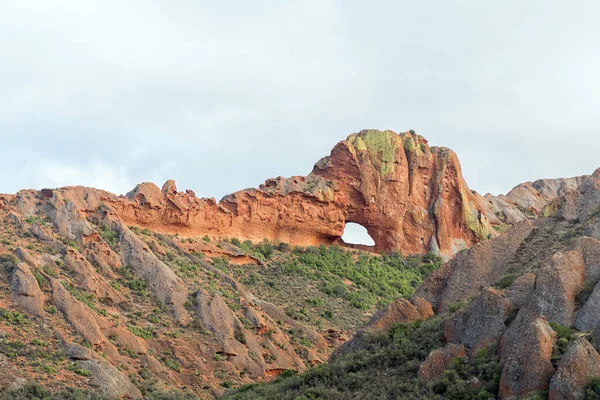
399, 312
439, 360
526, 351
482, 324
26, 291
160, 280
77, 314
577, 367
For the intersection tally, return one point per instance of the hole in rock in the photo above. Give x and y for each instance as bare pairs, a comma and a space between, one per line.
357, 234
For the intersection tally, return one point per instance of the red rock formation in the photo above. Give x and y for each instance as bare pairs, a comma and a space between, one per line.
410, 197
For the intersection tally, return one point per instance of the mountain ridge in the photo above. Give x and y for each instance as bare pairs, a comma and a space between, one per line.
160, 290
410, 197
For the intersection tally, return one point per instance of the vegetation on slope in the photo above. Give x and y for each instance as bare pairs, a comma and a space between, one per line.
326, 288
330, 286
385, 367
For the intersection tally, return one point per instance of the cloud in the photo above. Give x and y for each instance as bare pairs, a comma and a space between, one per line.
221, 96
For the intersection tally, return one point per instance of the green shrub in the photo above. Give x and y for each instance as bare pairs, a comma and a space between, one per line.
283, 247
507, 280
539, 395
72, 243
51, 309
172, 364
266, 249
40, 278
132, 282
328, 314
50, 271
13, 317
362, 300
592, 390
110, 236
74, 367
336, 289
145, 333
565, 336
38, 392
316, 301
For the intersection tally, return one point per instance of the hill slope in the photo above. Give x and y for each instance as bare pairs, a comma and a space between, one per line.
160, 294
516, 317
87, 301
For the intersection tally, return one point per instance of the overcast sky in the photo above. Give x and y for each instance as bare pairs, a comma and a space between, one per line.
221, 95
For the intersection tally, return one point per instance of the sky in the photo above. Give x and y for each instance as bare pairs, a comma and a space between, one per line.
221, 95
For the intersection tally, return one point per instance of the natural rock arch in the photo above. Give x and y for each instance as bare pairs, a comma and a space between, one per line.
410, 197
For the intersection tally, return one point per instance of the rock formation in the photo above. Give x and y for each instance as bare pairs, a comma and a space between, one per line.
540, 276
410, 197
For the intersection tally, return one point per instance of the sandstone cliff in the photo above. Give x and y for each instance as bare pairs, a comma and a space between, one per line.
410, 197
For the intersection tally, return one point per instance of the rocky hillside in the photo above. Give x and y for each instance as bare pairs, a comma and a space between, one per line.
539, 302
525, 201
88, 301
514, 317
161, 294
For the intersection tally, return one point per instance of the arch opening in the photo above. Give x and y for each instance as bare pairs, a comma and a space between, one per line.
356, 234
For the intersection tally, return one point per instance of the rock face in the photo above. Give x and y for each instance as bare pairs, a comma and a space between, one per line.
540, 276
410, 197
577, 367
527, 199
